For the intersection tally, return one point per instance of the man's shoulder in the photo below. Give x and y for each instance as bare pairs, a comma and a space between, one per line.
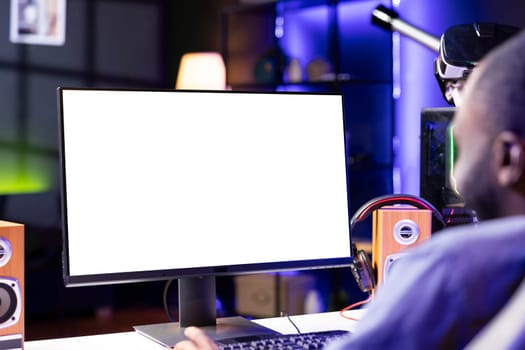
475, 242
488, 246
502, 231
443, 288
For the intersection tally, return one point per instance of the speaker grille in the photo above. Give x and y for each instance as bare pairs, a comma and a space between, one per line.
10, 302
406, 231
5, 251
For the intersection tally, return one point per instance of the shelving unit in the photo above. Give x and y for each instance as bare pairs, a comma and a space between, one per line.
322, 46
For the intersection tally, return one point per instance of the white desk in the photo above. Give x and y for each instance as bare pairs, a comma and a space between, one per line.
132, 340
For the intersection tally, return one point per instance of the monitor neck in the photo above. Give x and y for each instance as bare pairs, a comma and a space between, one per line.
197, 301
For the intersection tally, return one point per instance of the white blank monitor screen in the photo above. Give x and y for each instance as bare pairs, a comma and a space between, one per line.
167, 184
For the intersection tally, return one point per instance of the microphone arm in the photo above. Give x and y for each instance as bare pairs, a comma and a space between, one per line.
389, 20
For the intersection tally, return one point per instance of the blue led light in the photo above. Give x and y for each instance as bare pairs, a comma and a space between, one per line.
279, 27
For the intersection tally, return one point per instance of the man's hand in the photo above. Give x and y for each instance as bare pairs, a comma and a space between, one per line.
198, 340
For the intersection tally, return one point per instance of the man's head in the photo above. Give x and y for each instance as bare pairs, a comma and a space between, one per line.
489, 131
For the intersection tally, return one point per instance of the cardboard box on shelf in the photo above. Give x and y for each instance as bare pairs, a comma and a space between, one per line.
272, 294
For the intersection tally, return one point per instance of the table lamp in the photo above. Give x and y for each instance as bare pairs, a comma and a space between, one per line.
201, 71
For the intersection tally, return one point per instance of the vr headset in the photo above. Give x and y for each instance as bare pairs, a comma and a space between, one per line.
459, 49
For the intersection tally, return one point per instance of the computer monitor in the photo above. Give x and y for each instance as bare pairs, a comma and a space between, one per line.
189, 185
438, 153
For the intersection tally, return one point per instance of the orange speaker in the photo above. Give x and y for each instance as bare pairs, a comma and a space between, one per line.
11, 285
395, 229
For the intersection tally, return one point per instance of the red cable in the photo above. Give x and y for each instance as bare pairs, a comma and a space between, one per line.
354, 305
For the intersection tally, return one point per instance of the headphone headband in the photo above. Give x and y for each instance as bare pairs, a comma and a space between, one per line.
375, 203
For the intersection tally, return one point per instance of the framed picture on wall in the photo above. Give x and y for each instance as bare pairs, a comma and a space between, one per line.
38, 22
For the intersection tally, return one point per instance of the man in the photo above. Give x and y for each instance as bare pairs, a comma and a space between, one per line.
448, 289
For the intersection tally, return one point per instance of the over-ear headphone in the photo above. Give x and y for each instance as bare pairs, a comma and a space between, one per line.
361, 267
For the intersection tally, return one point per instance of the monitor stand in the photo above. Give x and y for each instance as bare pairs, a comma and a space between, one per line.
197, 308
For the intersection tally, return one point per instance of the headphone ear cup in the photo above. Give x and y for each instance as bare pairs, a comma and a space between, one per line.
362, 270
367, 268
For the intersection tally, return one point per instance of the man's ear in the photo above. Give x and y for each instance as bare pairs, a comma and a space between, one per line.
511, 159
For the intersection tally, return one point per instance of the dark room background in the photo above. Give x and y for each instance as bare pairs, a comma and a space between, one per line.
139, 43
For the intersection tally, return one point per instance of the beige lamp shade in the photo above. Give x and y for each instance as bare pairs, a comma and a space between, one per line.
201, 71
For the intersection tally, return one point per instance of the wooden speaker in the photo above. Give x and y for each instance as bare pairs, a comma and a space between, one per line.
395, 229
11, 285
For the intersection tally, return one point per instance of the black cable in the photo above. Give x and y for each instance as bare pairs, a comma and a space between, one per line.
293, 324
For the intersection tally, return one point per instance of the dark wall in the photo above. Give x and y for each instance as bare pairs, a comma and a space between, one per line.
195, 26
108, 43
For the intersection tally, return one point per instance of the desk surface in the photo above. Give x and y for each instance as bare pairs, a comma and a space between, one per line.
133, 340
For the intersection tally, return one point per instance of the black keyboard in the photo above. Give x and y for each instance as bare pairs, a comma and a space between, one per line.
304, 341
